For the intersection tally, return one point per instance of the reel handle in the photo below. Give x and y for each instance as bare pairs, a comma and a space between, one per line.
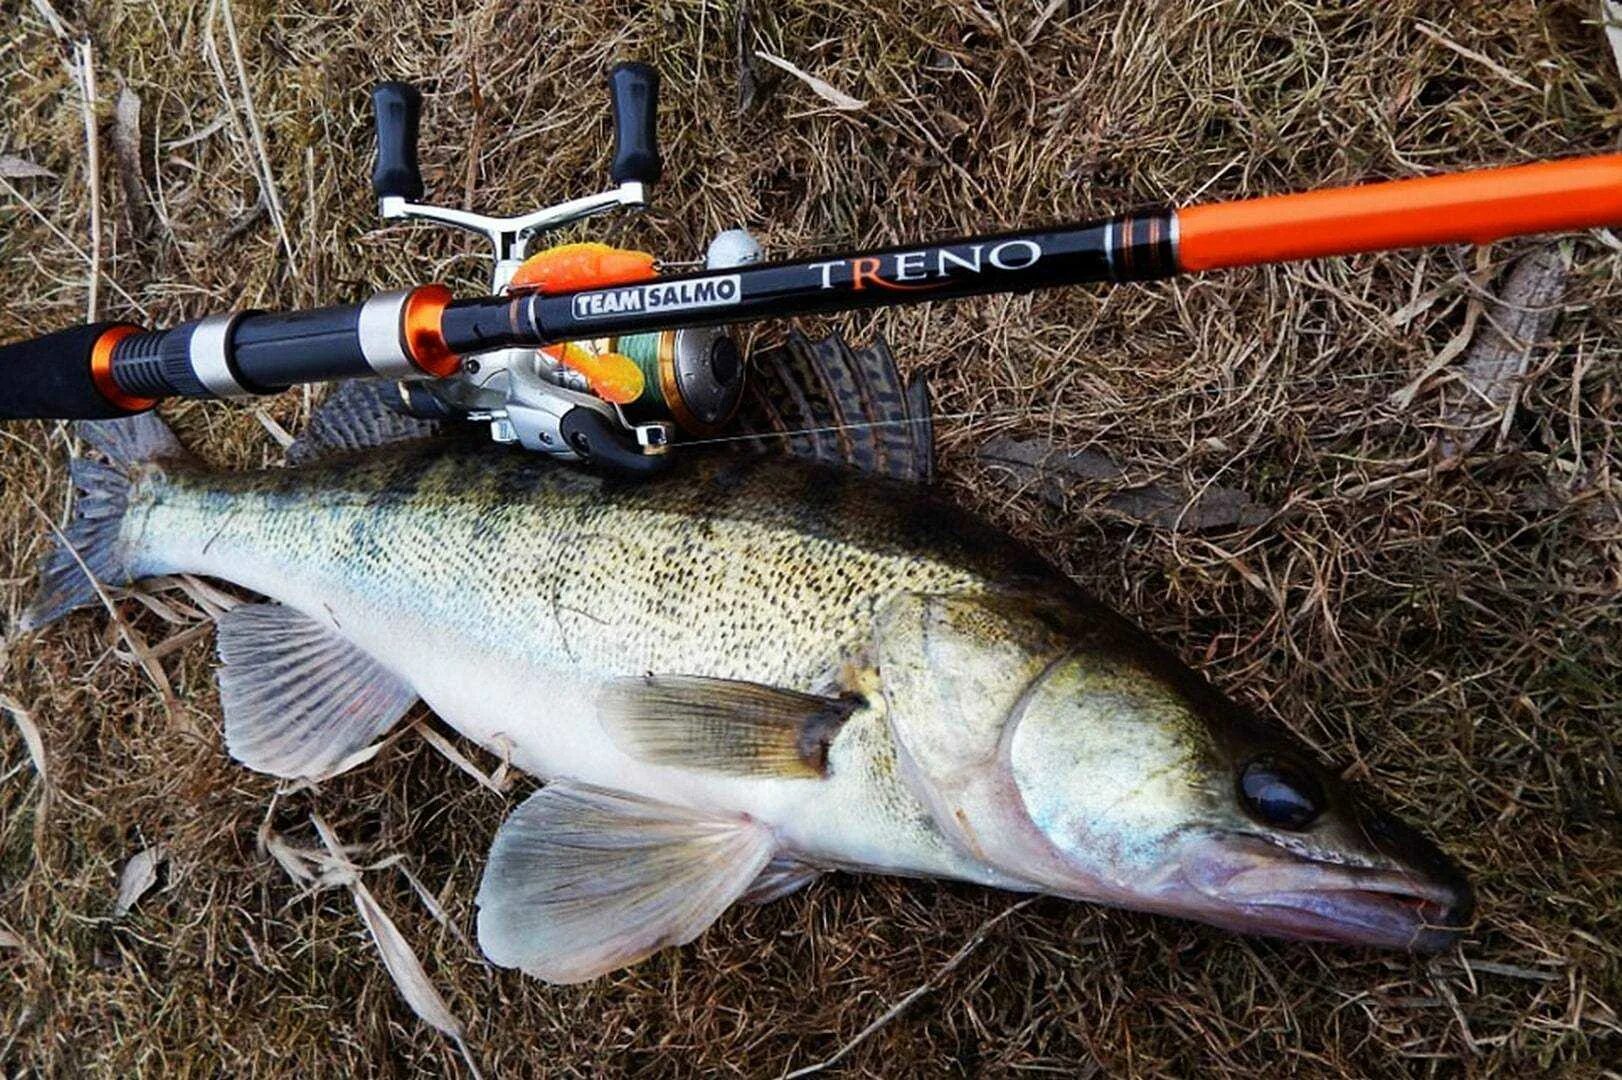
397, 109
598, 442
634, 89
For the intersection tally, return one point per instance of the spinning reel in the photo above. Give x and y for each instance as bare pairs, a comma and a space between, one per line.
644, 387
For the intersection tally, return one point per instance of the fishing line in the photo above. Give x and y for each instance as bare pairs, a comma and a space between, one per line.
1000, 414
833, 428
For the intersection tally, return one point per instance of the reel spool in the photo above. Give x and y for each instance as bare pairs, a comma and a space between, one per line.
693, 376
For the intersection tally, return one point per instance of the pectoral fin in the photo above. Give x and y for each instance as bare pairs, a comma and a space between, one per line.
720, 725
299, 700
582, 880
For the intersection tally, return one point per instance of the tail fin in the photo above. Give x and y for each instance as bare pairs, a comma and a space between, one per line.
89, 551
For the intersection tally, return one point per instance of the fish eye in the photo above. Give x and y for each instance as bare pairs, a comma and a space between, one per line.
1280, 794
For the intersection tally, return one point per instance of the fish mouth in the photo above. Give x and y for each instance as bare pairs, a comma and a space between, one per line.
1257, 886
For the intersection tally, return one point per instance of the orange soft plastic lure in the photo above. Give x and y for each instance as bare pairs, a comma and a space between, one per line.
613, 376
568, 267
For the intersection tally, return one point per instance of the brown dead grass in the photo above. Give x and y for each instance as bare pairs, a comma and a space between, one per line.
1453, 634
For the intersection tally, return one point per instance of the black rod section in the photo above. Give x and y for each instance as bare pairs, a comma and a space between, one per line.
1135, 247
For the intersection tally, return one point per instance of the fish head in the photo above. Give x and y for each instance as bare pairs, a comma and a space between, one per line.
1074, 755
1147, 781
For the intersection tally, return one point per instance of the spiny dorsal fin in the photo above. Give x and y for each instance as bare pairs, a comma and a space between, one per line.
582, 880
299, 700
848, 404
828, 402
358, 414
776, 402
721, 725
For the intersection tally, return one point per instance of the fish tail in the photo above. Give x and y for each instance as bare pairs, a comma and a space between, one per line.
90, 551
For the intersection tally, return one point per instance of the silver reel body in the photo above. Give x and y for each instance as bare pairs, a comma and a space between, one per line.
523, 394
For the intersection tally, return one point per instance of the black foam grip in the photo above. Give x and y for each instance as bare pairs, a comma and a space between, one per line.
48, 378
634, 89
397, 108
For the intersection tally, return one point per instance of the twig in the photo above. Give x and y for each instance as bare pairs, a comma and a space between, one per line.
399, 958
1610, 17
254, 135
68, 240
48, 13
126, 138
87, 87
1470, 54
901, 1006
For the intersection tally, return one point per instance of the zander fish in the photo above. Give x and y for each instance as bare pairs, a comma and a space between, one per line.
734, 678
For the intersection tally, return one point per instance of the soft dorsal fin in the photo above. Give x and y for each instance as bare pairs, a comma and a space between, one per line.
829, 402
299, 700
582, 880
722, 725
358, 414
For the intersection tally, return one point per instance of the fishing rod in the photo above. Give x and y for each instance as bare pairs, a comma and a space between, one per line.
591, 352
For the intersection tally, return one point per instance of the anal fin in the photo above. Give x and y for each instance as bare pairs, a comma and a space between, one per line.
582, 880
723, 725
299, 700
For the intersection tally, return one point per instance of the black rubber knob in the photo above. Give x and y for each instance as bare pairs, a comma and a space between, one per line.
595, 438
397, 108
634, 89
48, 378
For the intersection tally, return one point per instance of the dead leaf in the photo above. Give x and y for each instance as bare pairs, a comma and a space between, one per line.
140, 874
748, 81
277, 432
399, 959
824, 90
1484, 395
30, 733
1470, 54
1456, 344
1058, 474
126, 136
1610, 17
456, 757
13, 167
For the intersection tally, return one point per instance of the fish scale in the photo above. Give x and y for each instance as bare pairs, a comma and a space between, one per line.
729, 570
734, 677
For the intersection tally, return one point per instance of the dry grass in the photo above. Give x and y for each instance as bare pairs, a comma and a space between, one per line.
1456, 634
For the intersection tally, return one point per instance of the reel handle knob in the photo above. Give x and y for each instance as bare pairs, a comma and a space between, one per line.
634, 89
397, 108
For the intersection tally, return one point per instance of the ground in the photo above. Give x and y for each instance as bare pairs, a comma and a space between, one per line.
1443, 623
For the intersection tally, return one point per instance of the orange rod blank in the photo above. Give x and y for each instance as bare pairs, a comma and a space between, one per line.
1472, 207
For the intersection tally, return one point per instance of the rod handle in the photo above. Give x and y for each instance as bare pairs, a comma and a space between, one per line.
1470, 207
634, 91
61, 376
397, 110
392, 335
